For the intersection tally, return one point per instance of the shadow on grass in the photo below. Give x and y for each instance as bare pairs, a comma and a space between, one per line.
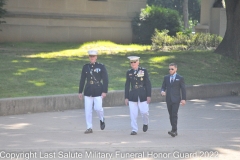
34, 73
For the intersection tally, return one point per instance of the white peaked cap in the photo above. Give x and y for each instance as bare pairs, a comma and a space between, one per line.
92, 52
133, 58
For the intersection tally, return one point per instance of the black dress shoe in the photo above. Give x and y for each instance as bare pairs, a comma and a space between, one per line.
102, 124
145, 128
89, 130
173, 134
133, 133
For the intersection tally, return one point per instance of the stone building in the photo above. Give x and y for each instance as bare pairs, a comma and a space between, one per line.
69, 20
213, 18
87, 20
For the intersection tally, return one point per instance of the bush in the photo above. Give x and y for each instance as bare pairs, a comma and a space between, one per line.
184, 41
152, 18
206, 40
194, 7
215, 40
161, 39
183, 38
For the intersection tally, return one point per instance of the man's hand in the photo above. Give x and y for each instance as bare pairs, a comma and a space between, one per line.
80, 96
163, 93
148, 100
126, 102
183, 102
104, 95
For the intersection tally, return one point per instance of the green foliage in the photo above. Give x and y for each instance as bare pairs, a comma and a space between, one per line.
192, 24
206, 40
193, 7
161, 39
35, 69
151, 18
184, 40
2, 11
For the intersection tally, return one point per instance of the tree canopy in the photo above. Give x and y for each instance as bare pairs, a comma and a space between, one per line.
151, 18
193, 6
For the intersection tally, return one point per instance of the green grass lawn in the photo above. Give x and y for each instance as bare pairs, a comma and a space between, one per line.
33, 69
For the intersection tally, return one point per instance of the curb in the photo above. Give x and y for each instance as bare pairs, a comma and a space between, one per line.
25, 105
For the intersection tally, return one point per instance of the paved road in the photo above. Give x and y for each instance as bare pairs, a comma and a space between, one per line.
208, 129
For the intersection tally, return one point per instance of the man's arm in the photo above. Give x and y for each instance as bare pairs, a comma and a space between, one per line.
183, 90
81, 83
164, 87
148, 84
105, 79
127, 87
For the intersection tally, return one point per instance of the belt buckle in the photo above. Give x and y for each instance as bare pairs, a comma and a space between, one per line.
91, 82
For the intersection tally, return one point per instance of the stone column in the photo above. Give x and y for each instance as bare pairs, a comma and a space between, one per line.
205, 19
219, 21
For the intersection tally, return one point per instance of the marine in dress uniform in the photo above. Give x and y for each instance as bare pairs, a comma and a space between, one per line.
173, 87
94, 81
137, 94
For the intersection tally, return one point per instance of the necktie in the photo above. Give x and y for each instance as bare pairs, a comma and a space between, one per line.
171, 79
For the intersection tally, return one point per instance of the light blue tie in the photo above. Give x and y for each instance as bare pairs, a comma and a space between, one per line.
171, 79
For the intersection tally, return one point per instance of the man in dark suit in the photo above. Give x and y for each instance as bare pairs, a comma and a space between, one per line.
174, 88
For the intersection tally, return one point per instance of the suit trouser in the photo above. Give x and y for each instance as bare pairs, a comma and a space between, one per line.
144, 109
173, 114
91, 102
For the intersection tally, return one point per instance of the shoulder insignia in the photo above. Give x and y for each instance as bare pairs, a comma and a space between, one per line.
99, 63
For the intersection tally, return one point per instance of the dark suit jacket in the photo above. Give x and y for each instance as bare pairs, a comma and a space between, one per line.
96, 73
175, 92
132, 80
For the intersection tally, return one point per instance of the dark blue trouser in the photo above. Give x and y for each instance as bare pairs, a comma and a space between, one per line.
173, 114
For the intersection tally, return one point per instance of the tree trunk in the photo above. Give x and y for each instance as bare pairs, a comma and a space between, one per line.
185, 14
230, 45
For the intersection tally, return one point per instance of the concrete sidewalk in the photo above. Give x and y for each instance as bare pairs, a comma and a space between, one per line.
208, 129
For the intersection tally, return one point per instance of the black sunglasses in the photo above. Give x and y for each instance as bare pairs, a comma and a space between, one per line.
171, 69
133, 62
